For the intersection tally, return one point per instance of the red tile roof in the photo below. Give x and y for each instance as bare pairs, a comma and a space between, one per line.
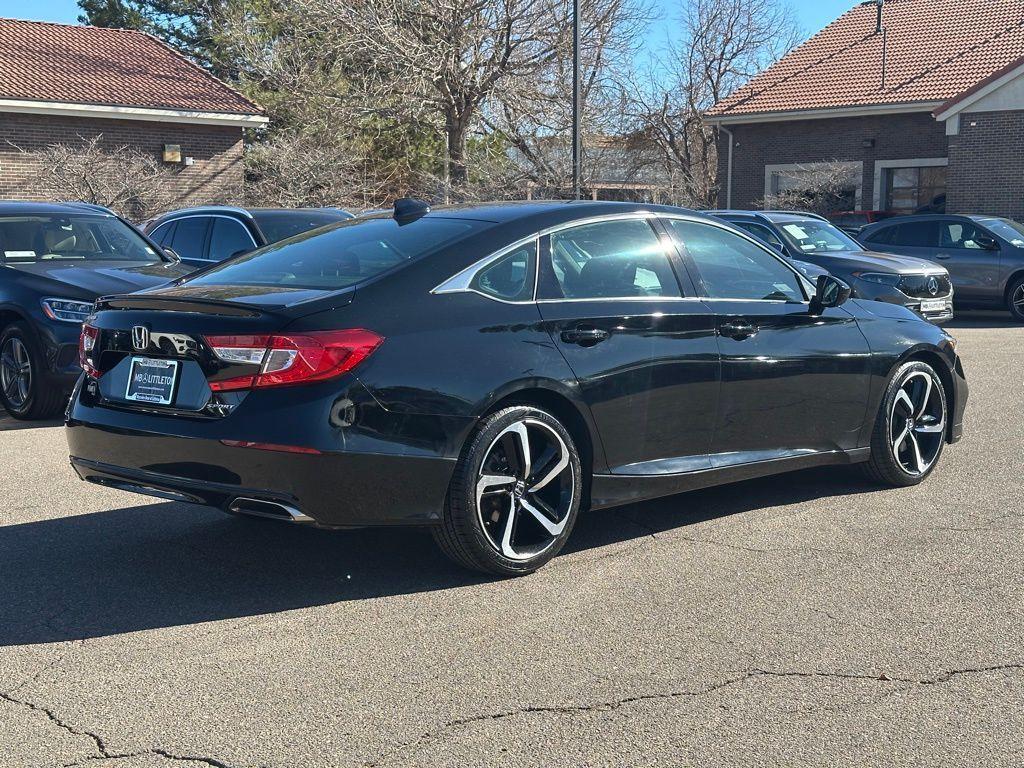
92, 65
935, 50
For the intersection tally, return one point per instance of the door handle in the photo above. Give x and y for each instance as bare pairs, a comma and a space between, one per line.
585, 337
943, 256
737, 329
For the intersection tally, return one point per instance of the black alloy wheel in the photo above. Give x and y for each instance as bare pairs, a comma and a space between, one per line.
23, 393
1015, 299
911, 428
515, 495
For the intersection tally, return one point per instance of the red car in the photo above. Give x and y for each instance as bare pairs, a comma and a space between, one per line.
853, 222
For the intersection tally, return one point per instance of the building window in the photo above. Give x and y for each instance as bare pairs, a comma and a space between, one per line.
833, 186
915, 190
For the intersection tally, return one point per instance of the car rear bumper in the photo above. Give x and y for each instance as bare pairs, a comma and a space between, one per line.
334, 489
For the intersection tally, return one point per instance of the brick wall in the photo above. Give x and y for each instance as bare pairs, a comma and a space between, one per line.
986, 165
896, 137
216, 176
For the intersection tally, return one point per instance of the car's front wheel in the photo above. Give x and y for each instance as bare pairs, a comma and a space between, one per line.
1015, 299
515, 494
23, 392
910, 429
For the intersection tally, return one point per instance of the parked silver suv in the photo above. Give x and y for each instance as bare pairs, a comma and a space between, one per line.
984, 254
919, 285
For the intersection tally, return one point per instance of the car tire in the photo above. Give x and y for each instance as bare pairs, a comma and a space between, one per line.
23, 392
1015, 299
910, 429
510, 510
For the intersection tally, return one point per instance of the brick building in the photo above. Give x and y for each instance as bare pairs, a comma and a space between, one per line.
920, 102
62, 84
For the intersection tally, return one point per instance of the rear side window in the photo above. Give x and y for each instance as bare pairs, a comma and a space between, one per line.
330, 259
511, 277
610, 259
280, 225
881, 236
189, 240
920, 234
228, 238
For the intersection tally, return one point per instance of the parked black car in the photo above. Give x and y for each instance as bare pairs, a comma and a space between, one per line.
207, 235
490, 370
984, 254
923, 286
55, 260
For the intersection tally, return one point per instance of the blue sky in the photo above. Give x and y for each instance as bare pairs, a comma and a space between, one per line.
813, 14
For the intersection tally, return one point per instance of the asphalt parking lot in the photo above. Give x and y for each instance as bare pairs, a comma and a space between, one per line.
808, 619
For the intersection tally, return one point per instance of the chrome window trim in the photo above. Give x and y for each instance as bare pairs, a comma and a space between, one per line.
460, 281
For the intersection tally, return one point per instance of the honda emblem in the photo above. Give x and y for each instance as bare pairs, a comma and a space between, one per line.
140, 337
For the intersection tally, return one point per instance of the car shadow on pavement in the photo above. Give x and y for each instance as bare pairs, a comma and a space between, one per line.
973, 318
167, 564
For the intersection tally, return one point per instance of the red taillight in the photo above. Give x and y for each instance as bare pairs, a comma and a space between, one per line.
292, 358
86, 345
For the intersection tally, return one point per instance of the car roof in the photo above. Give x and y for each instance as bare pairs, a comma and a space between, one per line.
26, 208
502, 212
776, 217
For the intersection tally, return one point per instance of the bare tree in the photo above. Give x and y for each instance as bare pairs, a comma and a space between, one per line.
815, 187
132, 183
723, 44
437, 61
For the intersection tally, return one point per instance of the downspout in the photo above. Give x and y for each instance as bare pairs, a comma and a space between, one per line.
728, 168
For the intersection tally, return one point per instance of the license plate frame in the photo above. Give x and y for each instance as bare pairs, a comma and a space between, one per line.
933, 305
152, 392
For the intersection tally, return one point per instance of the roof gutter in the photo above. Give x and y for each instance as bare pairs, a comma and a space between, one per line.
728, 167
114, 112
823, 114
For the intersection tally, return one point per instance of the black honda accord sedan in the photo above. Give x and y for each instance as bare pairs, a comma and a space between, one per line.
491, 370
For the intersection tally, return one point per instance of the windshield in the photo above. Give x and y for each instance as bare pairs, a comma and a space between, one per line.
1008, 229
72, 238
335, 258
280, 225
813, 236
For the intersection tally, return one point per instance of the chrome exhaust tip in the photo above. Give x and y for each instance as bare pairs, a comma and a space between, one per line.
276, 510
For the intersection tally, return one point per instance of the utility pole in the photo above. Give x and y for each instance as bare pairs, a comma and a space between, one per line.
577, 191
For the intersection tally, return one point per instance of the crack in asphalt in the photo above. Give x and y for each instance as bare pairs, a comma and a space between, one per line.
431, 737
102, 751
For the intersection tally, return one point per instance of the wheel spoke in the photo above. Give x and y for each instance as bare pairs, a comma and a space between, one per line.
552, 527
899, 440
919, 411
558, 468
918, 459
493, 484
510, 528
902, 398
931, 428
524, 446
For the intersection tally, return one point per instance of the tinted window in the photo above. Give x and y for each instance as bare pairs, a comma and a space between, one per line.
734, 268
341, 256
610, 259
510, 277
960, 235
160, 234
882, 236
228, 238
189, 237
52, 238
761, 232
922, 234
280, 225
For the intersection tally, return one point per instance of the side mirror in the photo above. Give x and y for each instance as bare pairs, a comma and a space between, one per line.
831, 292
987, 242
171, 254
